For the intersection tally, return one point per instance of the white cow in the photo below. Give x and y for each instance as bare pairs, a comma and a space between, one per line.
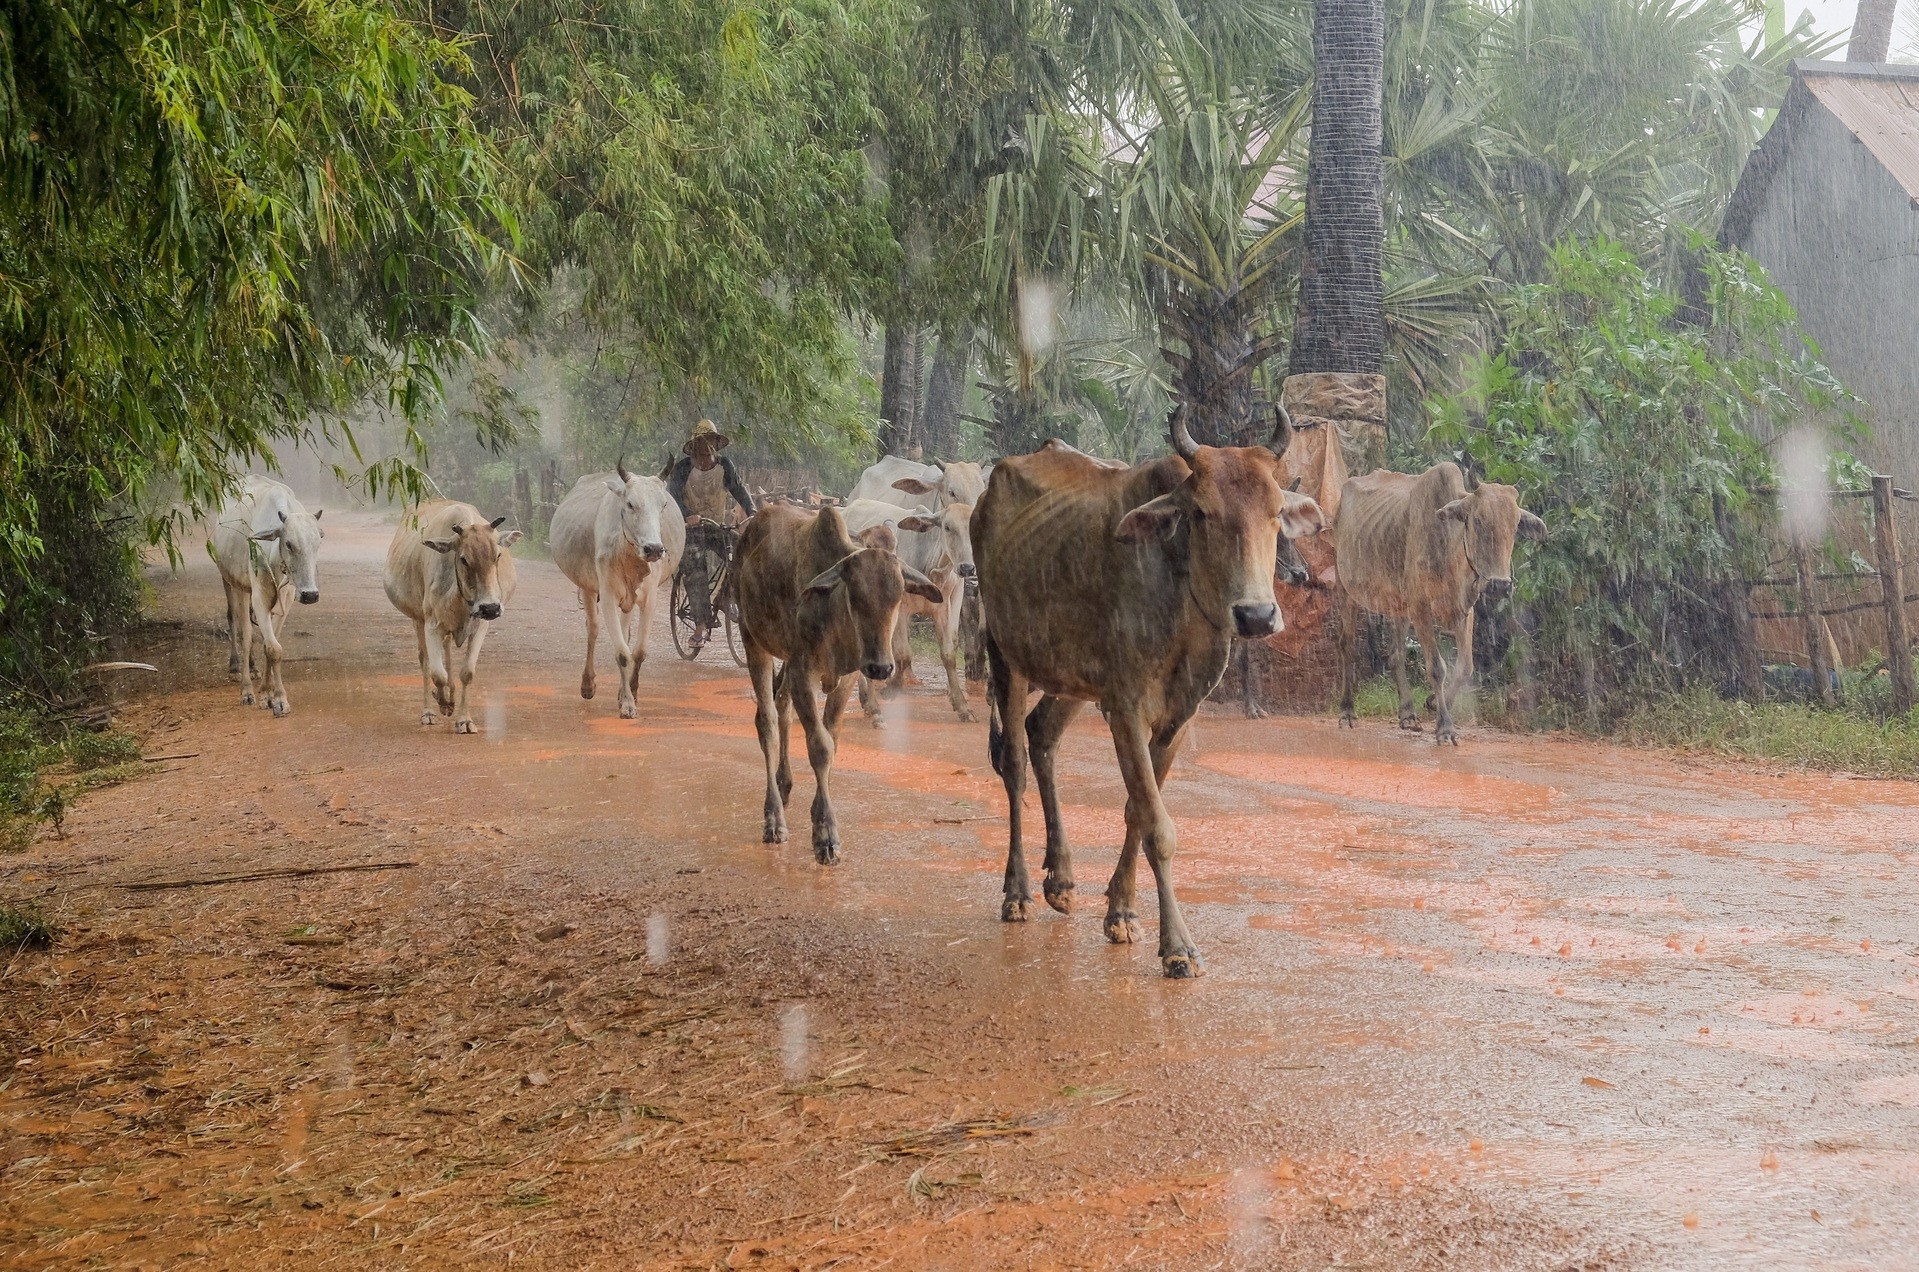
619, 538
940, 546
448, 569
267, 546
908, 484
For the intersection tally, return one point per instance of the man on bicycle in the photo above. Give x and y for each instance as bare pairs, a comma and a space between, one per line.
700, 481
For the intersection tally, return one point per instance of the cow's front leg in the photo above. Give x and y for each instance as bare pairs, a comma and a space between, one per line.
1044, 728
274, 691
767, 715
1008, 689
427, 696
948, 619
837, 695
783, 703
819, 750
441, 660
642, 624
590, 602
246, 601
870, 703
1122, 915
1408, 712
1146, 815
616, 619
1458, 675
463, 718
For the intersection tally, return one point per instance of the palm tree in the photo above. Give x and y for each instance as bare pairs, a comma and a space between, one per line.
1339, 336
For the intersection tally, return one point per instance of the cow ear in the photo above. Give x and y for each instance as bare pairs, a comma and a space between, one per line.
268, 536
1297, 483
914, 486
1154, 519
1531, 527
497, 522
921, 586
439, 545
1454, 511
828, 579
510, 538
615, 485
319, 514
916, 522
1299, 516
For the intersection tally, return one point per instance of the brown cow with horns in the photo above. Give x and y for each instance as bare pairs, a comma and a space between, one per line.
824, 604
1125, 587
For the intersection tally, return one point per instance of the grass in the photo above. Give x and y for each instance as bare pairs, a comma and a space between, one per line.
1852, 739
24, 927
45, 762
1862, 736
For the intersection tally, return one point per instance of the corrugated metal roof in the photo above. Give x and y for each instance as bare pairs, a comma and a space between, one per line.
1881, 110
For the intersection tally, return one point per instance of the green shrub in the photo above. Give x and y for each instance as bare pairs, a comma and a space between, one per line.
24, 927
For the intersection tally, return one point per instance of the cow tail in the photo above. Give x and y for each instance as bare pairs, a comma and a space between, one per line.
995, 727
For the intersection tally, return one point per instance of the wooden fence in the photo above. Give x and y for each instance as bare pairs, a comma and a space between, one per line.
1882, 589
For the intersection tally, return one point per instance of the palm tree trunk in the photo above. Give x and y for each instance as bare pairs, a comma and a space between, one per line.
1872, 31
894, 423
945, 391
1342, 316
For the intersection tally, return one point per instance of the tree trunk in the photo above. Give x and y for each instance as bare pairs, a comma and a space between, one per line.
1215, 380
894, 423
1342, 318
1872, 31
945, 392
1016, 422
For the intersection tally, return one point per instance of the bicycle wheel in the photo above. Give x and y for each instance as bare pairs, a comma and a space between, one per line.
734, 645
679, 617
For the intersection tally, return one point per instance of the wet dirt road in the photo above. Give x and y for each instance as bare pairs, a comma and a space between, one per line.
1523, 1004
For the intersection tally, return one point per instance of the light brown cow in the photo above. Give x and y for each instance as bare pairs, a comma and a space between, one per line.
824, 605
1419, 551
267, 547
448, 569
1124, 587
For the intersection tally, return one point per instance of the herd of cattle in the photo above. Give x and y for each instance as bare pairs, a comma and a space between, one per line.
1121, 585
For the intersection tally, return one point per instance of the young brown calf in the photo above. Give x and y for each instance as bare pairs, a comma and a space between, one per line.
812, 597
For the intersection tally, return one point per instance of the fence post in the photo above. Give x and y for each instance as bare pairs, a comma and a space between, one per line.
1816, 650
1892, 583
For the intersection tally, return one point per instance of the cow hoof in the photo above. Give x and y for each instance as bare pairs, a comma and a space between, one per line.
1347, 720
281, 708
877, 721
630, 711
1255, 712
967, 717
826, 852
428, 718
464, 726
1122, 928
1444, 736
233, 666
1013, 910
246, 697
1059, 896
586, 689
1182, 966
773, 834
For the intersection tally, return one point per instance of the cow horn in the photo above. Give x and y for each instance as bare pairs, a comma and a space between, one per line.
1282, 430
620, 468
1183, 442
1472, 481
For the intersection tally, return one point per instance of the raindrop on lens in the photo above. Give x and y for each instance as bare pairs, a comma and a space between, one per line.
657, 946
794, 1047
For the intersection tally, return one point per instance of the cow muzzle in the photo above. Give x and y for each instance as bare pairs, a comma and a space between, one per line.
310, 597
877, 671
652, 551
967, 571
1499, 589
488, 610
1253, 621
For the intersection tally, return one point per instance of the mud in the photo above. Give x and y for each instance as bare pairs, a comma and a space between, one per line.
1523, 1004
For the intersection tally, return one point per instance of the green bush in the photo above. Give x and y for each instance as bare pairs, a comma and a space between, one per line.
31, 747
24, 927
1639, 428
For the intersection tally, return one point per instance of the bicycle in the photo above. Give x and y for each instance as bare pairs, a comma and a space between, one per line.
702, 596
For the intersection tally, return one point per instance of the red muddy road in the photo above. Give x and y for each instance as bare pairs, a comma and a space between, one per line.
1522, 1004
